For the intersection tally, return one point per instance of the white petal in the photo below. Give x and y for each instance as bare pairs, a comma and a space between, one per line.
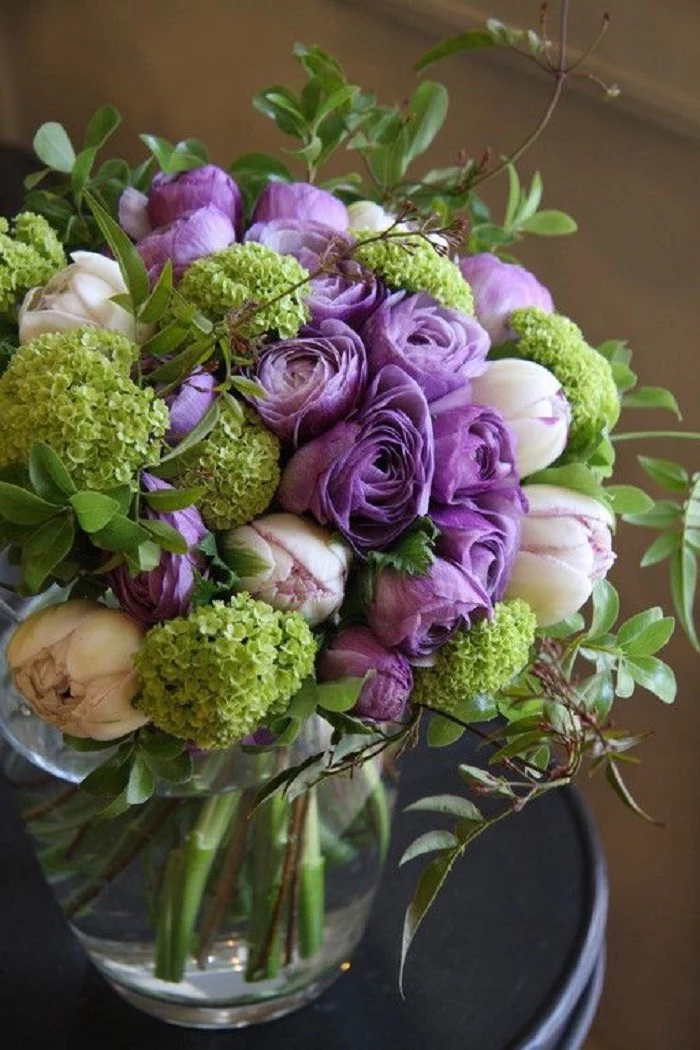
102, 267
550, 587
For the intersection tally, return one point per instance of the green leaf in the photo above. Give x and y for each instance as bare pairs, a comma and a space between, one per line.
148, 556
655, 676
240, 558
176, 770
120, 535
652, 638
171, 158
109, 779
169, 500
53, 147
472, 40
160, 744
166, 536
549, 223
628, 499
157, 302
33, 180
22, 507
340, 695
652, 397
662, 547
482, 778
102, 124
429, 885
606, 607
451, 805
48, 475
78, 743
141, 783
428, 108
130, 262
46, 549
123, 495
203, 428
442, 732
614, 778
248, 387
597, 693
665, 473
81, 170
624, 685
430, 842
93, 510
684, 577
637, 624
412, 554
665, 514
573, 476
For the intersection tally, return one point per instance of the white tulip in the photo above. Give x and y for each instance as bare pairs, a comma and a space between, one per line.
79, 295
532, 402
566, 546
366, 215
73, 663
293, 564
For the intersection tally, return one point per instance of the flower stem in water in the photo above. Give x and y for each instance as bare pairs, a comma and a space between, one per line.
312, 908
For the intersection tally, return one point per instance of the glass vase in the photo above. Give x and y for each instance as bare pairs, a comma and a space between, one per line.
205, 906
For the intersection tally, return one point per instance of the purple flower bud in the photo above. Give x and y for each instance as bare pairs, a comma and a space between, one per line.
173, 196
164, 592
474, 453
483, 538
369, 477
311, 382
133, 213
500, 288
354, 652
418, 614
185, 240
190, 404
300, 200
440, 348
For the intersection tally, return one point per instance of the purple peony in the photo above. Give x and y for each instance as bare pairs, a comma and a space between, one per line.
474, 453
500, 288
483, 538
353, 653
418, 614
440, 348
185, 240
306, 240
173, 196
165, 591
300, 200
311, 382
369, 476
190, 404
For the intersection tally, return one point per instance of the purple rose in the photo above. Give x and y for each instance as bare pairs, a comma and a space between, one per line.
172, 196
300, 200
418, 614
164, 592
500, 288
353, 653
440, 348
474, 453
483, 538
311, 382
348, 292
370, 476
190, 404
185, 240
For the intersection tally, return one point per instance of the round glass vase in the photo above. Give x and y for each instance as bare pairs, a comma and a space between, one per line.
204, 906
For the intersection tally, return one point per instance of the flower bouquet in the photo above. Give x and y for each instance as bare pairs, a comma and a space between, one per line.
295, 470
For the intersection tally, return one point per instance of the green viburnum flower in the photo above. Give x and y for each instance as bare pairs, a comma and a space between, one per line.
410, 262
244, 274
238, 468
64, 390
557, 343
483, 659
216, 675
30, 253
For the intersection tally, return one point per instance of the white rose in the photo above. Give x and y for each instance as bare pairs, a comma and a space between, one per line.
294, 565
79, 295
73, 663
532, 402
566, 546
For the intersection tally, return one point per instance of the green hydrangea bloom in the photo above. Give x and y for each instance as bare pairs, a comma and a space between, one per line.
481, 660
62, 389
410, 262
238, 468
557, 343
249, 273
218, 674
30, 254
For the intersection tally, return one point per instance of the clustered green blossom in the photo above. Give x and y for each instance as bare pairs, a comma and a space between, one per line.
250, 275
63, 390
218, 674
30, 254
482, 660
237, 467
557, 343
411, 263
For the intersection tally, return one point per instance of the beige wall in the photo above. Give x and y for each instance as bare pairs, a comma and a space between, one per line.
180, 68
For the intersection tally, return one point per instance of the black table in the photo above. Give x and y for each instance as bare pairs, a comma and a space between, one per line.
511, 957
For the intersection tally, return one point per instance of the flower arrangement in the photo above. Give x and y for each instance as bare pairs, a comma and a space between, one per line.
284, 449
